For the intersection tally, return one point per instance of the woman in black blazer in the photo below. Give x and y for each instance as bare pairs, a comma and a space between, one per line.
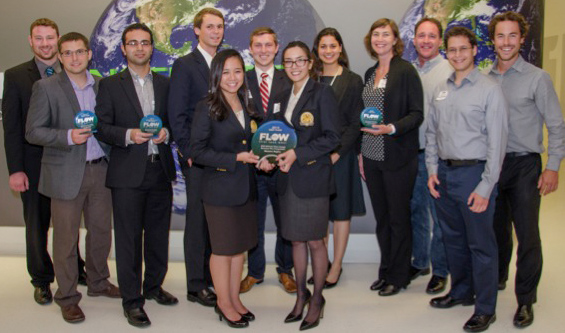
306, 179
220, 141
389, 151
332, 66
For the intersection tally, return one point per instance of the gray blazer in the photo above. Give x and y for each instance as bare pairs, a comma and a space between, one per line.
51, 114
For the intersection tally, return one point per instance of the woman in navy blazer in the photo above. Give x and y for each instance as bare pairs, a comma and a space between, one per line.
306, 179
220, 141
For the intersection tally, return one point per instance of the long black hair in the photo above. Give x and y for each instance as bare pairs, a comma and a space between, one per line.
343, 59
219, 108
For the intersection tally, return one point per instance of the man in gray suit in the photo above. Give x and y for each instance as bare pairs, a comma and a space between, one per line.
73, 171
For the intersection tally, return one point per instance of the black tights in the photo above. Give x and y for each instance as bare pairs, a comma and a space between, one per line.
319, 255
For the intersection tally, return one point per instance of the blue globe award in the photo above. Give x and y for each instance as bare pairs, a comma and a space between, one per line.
151, 124
273, 138
371, 116
86, 120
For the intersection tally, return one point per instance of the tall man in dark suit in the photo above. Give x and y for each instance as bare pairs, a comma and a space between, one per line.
190, 84
140, 172
265, 82
24, 159
73, 169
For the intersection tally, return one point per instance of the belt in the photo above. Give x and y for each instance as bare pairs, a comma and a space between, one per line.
96, 161
153, 158
460, 163
519, 154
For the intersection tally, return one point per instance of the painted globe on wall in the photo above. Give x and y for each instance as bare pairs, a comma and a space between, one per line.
171, 23
475, 15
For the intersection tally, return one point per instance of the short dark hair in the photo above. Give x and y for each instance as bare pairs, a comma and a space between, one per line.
509, 16
199, 17
263, 31
45, 22
72, 36
398, 48
343, 59
306, 50
460, 31
136, 26
431, 20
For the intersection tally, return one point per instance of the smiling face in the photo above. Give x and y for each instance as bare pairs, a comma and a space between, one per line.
210, 33
43, 42
383, 40
138, 55
75, 56
329, 50
263, 48
232, 76
298, 74
461, 54
427, 41
507, 40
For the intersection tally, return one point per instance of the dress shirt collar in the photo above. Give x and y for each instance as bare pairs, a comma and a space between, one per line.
270, 72
89, 82
471, 77
140, 79
206, 55
518, 65
428, 65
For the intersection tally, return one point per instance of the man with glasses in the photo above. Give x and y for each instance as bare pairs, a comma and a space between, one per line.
140, 172
73, 169
465, 143
24, 159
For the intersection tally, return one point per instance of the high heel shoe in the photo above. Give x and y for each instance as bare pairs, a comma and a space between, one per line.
311, 279
306, 325
231, 323
297, 317
249, 316
329, 285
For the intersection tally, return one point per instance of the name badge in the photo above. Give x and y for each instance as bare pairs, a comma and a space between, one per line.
441, 96
382, 83
249, 94
277, 108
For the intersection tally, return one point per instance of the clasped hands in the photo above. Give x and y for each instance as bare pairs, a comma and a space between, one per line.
285, 160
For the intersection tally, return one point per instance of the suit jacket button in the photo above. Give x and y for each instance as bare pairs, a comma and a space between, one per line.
244, 142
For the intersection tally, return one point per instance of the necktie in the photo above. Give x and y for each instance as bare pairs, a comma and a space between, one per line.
49, 71
264, 89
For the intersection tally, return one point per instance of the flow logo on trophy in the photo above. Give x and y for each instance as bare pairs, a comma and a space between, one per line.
151, 124
371, 116
86, 120
273, 138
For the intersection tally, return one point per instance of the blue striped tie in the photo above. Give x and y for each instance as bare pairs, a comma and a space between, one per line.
49, 71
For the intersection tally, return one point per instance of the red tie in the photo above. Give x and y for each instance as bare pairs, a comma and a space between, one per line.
264, 89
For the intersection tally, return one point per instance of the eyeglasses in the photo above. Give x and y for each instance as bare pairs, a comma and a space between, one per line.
78, 53
135, 43
297, 62
462, 49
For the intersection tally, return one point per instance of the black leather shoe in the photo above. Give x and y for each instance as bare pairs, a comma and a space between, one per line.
42, 295
205, 297
415, 272
231, 323
436, 285
162, 297
249, 316
291, 318
311, 279
446, 302
82, 277
524, 316
501, 285
479, 323
329, 285
304, 325
378, 285
137, 317
390, 290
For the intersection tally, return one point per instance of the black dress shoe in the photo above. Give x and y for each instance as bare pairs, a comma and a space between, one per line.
329, 285
137, 317
304, 325
415, 272
446, 302
42, 294
479, 323
291, 318
82, 277
249, 316
524, 316
162, 297
436, 285
501, 285
205, 297
389, 290
311, 279
378, 285
231, 323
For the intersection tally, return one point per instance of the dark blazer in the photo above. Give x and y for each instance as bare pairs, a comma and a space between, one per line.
20, 154
403, 107
311, 175
118, 109
52, 111
215, 144
190, 79
280, 82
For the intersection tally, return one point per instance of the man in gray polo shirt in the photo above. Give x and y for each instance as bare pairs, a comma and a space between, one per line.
466, 136
532, 101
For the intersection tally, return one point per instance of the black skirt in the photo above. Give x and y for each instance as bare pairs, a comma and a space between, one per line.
348, 199
303, 219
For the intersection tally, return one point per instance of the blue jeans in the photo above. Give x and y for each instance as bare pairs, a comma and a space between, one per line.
424, 245
266, 186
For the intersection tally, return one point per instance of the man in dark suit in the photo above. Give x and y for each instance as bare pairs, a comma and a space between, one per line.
140, 172
73, 168
190, 84
265, 82
24, 159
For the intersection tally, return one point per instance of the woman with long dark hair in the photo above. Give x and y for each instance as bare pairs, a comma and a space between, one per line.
220, 141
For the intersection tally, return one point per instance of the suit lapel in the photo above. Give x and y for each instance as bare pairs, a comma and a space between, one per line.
69, 91
126, 81
255, 93
202, 65
158, 92
34, 74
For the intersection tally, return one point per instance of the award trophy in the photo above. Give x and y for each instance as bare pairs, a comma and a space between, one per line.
371, 116
273, 138
151, 124
86, 120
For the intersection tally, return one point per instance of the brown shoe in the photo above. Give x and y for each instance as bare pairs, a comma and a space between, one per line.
287, 282
110, 291
72, 313
248, 283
